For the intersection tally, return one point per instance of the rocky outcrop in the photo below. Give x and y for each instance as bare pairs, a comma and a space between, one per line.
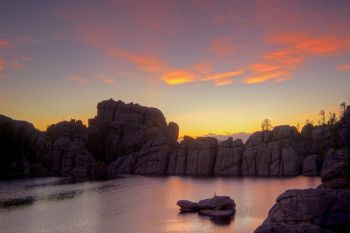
335, 162
311, 165
154, 157
229, 158
201, 156
272, 153
130, 138
323, 208
120, 129
178, 159
22, 149
68, 155
217, 207
123, 165
290, 228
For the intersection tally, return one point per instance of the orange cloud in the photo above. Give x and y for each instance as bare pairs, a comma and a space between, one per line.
259, 78
222, 82
178, 77
305, 43
184, 76
277, 66
78, 79
146, 63
224, 75
344, 67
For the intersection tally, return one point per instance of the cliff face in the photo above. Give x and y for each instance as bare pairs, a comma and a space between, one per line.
280, 152
133, 139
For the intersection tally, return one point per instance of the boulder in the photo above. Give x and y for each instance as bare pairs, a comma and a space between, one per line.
334, 164
201, 156
285, 134
229, 157
324, 208
173, 131
187, 206
217, 214
154, 157
338, 183
259, 137
218, 208
290, 228
217, 203
214, 203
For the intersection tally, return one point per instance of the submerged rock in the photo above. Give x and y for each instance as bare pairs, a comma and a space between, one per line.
217, 208
218, 203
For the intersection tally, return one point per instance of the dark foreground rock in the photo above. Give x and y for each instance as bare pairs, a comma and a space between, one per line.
325, 209
217, 207
290, 228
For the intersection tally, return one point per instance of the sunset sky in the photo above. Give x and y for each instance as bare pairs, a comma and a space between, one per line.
211, 66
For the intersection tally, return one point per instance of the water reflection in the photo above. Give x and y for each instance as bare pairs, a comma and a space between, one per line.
16, 202
54, 205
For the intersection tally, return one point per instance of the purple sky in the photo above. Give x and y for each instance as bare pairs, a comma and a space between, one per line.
212, 66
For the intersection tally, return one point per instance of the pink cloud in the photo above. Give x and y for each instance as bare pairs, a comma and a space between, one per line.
78, 79
344, 67
105, 79
223, 47
5, 43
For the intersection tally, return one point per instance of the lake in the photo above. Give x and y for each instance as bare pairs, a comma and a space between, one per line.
135, 204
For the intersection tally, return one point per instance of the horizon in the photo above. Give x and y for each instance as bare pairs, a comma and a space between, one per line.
211, 68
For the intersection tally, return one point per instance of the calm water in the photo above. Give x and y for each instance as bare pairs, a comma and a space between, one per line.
134, 204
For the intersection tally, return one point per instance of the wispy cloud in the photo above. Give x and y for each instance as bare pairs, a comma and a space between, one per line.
88, 79
279, 65
5, 43
78, 79
144, 62
105, 78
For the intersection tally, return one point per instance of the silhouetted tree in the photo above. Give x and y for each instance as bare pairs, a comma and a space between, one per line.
266, 125
342, 108
332, 118
323, 116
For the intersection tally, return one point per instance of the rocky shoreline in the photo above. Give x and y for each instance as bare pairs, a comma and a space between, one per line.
133, 139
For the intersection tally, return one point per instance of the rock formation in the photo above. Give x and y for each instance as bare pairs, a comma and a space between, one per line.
229, 158
121, 129
217, 207
323, 208
133, 139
